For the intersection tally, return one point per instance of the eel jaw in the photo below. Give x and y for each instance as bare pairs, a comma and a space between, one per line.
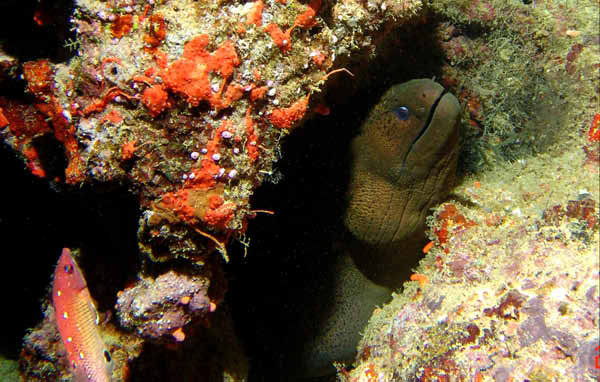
437, 139
425, 127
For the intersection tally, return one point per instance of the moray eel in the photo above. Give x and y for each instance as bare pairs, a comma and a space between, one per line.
77, 322
331, 331
404, 162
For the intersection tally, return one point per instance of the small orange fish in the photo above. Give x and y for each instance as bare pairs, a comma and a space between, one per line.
77, 322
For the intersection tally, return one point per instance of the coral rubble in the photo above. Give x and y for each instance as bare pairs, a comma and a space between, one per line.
161, 307
512, 284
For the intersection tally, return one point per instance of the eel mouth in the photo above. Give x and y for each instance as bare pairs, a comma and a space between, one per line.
424, 128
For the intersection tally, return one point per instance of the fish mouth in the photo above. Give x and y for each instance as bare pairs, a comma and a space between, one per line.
424, 128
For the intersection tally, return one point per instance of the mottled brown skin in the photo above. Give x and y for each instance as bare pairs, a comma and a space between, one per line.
401, 168
333, 333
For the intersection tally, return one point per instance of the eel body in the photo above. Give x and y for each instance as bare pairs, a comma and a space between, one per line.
404, 162
332, 330
77, 322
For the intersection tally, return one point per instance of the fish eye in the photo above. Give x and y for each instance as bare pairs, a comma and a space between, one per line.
402, 113
69, 268
107, 357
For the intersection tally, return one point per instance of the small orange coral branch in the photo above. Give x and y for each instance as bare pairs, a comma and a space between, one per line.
128, 149
304, 20
100, 104
280, 38
285, 118
178, 334
143, 16
428, 247
122, 25
307, 18
155, 99
255, 14
420, 278
157, 30
142, 79
3, 120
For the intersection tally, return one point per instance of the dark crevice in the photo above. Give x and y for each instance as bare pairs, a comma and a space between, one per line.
51, 154
298, 242
31, 29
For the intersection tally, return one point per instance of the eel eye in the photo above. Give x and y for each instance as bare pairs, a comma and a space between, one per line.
402, 113
69, 268
107, 357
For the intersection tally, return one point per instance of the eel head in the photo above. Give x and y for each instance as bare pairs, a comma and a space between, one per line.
404, 162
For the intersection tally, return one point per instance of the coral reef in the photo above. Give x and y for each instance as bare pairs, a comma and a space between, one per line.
522, 72
213, 354
509, 288
186, 103
161, 307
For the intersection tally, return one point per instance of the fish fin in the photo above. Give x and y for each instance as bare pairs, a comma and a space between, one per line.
100, 318
96, 315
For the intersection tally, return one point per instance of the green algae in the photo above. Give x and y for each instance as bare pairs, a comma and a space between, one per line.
517, 72
9, 370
